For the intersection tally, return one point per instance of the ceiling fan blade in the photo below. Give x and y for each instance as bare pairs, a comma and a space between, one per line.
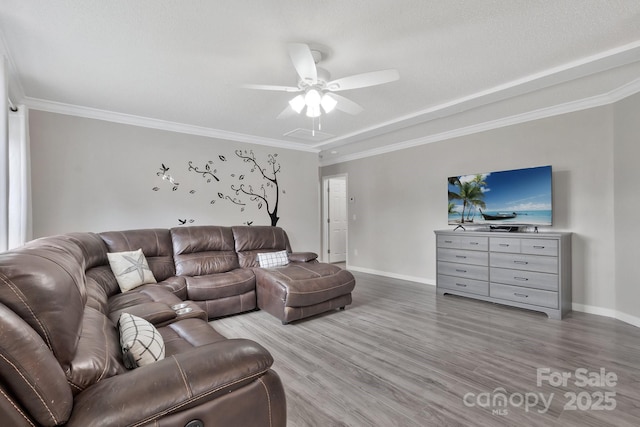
286, 113
345, 104
272, 87
303, 62
363, 80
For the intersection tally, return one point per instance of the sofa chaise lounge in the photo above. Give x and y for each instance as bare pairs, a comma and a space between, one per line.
61, 361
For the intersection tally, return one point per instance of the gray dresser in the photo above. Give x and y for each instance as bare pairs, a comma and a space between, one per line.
526, 270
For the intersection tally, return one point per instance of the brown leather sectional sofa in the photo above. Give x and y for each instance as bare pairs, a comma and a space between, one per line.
60, 356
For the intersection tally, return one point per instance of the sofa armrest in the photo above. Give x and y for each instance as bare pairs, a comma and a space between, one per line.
176, 383
302, 256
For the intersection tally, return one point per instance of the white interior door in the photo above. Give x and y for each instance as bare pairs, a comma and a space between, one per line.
337, 219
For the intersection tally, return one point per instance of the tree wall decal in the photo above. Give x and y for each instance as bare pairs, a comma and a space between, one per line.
263, 188
207, 173
260, 195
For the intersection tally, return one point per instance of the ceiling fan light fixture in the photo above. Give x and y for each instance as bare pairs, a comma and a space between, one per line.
313, 111
297, 103
312, 98
328, 103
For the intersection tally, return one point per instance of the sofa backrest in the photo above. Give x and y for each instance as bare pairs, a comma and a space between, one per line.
201, 250
252, 240
155, 244
30, 376
43, 284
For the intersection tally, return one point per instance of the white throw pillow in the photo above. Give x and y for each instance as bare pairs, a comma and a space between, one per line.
273, 259
141, 342
131, 269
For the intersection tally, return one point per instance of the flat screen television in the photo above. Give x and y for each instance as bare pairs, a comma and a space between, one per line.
504, 198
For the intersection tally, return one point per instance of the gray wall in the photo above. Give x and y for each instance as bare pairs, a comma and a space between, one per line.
627, 204
401, 197
92, 175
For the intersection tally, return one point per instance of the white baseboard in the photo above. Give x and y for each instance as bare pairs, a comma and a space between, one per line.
590, 309
607, 312
391, 275
627, 318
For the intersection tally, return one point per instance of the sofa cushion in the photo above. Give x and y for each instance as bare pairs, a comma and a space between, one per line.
153, 312
221, 285
300, 285
303, 257
186, 334
98, 355
96, 296
104, 277
93, 249
273, 259
177, 285
155, 244
141, 342
201, 250
252, 240
143, 295
131, 269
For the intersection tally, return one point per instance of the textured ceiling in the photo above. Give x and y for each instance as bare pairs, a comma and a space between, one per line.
180, 64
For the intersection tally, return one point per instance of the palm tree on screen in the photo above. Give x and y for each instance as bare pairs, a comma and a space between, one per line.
470, 192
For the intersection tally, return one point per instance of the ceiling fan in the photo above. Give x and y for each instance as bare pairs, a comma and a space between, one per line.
317, 93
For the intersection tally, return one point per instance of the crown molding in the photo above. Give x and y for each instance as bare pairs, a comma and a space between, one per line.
611, 97
602, 61
572, 70
129, 119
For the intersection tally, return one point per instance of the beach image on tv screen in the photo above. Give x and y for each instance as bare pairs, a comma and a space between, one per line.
520, 196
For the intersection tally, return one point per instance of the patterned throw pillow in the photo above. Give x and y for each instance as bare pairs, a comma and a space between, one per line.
273, 259
141, 342
131, 269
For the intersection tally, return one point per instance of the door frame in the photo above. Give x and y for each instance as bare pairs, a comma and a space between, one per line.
325, 215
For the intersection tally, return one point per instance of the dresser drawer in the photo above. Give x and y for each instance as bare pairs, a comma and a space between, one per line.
452, 242
462, 270
474, 243
524, 295
539, 247
463, 257
471, 286
544, 264
529, 279
503, 244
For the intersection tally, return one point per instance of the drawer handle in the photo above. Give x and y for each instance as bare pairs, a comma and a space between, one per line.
461, 284
461, 256
459, 270
521, 262
474, 243
504, 245
538, 247
521, 295
522, 279
448, 241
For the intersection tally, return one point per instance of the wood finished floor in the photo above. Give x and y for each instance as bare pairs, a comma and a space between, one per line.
402, 356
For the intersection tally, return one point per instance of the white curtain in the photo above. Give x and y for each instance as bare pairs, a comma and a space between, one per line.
15, 188
4, 156
19, 178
